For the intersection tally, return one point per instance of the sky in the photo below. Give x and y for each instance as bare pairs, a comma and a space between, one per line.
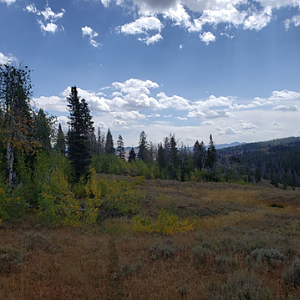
230, 68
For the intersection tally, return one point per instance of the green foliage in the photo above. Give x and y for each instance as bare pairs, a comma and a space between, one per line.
81, 125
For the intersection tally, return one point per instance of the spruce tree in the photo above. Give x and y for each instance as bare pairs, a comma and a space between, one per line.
43, 129
109, 144
211, 157
143, 147
132, 155
199, 155
120, 148
60, 144
81, 126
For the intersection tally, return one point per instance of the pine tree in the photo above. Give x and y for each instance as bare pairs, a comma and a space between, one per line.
60, 144
199, 155
161, 160
132, 155
109, 144
81, 126
211, 157
120, 148
43, 129
143, 147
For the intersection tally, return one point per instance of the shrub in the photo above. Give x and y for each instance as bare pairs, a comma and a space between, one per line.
224, 264
166, 224
292, 275
164, 250
200, 255
272, 257
35, 240
243, 286
9, 257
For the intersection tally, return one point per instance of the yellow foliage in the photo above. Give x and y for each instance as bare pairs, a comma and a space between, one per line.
166, 224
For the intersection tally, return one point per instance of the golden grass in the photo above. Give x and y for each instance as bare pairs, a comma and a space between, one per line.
110, 261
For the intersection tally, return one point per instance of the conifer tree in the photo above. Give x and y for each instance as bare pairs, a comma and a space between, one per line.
132, 155
15, 93
199, 155
81, 125
120, 148
143, 147
43, 129
211, 157
109, 144
60, 144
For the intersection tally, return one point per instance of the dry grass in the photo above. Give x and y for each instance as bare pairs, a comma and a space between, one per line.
240, 248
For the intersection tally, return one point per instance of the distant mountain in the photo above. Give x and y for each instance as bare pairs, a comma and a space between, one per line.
248, 147
223, 146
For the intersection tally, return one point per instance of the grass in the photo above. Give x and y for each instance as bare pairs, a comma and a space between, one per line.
243, 247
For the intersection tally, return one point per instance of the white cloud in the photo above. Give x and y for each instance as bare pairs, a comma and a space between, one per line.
284, 95
7, 59
128, 115
52, 103
295, 20
227, 131
179, 15
180, 46
88, 31
49, 27
207, 123
207, 37
141, 25
8, 2
247, 126
181, 119
276, 126
258, 20
151, 39
49, 18
174, 102
119, 123
285, 108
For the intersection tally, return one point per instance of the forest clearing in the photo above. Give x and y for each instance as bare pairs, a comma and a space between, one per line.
243, 244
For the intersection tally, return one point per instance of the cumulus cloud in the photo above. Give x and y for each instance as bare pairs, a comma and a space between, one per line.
8, 2
7, 59
48, 18
285, 108
143, 25
284, 95
207, 37
174, 102
207, 123
193, 15
295, 20
247, 126
258, 20
151, 39
227, 131
88, 31
276, 126
52, 103
128, 115
117, 123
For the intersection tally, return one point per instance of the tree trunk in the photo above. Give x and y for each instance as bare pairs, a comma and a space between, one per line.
10, 162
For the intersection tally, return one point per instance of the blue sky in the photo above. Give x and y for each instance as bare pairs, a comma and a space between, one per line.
230, 68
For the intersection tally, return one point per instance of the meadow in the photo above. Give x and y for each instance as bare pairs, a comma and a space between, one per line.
229, 241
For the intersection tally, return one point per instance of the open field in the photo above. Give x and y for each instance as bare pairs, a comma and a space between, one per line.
245, 245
